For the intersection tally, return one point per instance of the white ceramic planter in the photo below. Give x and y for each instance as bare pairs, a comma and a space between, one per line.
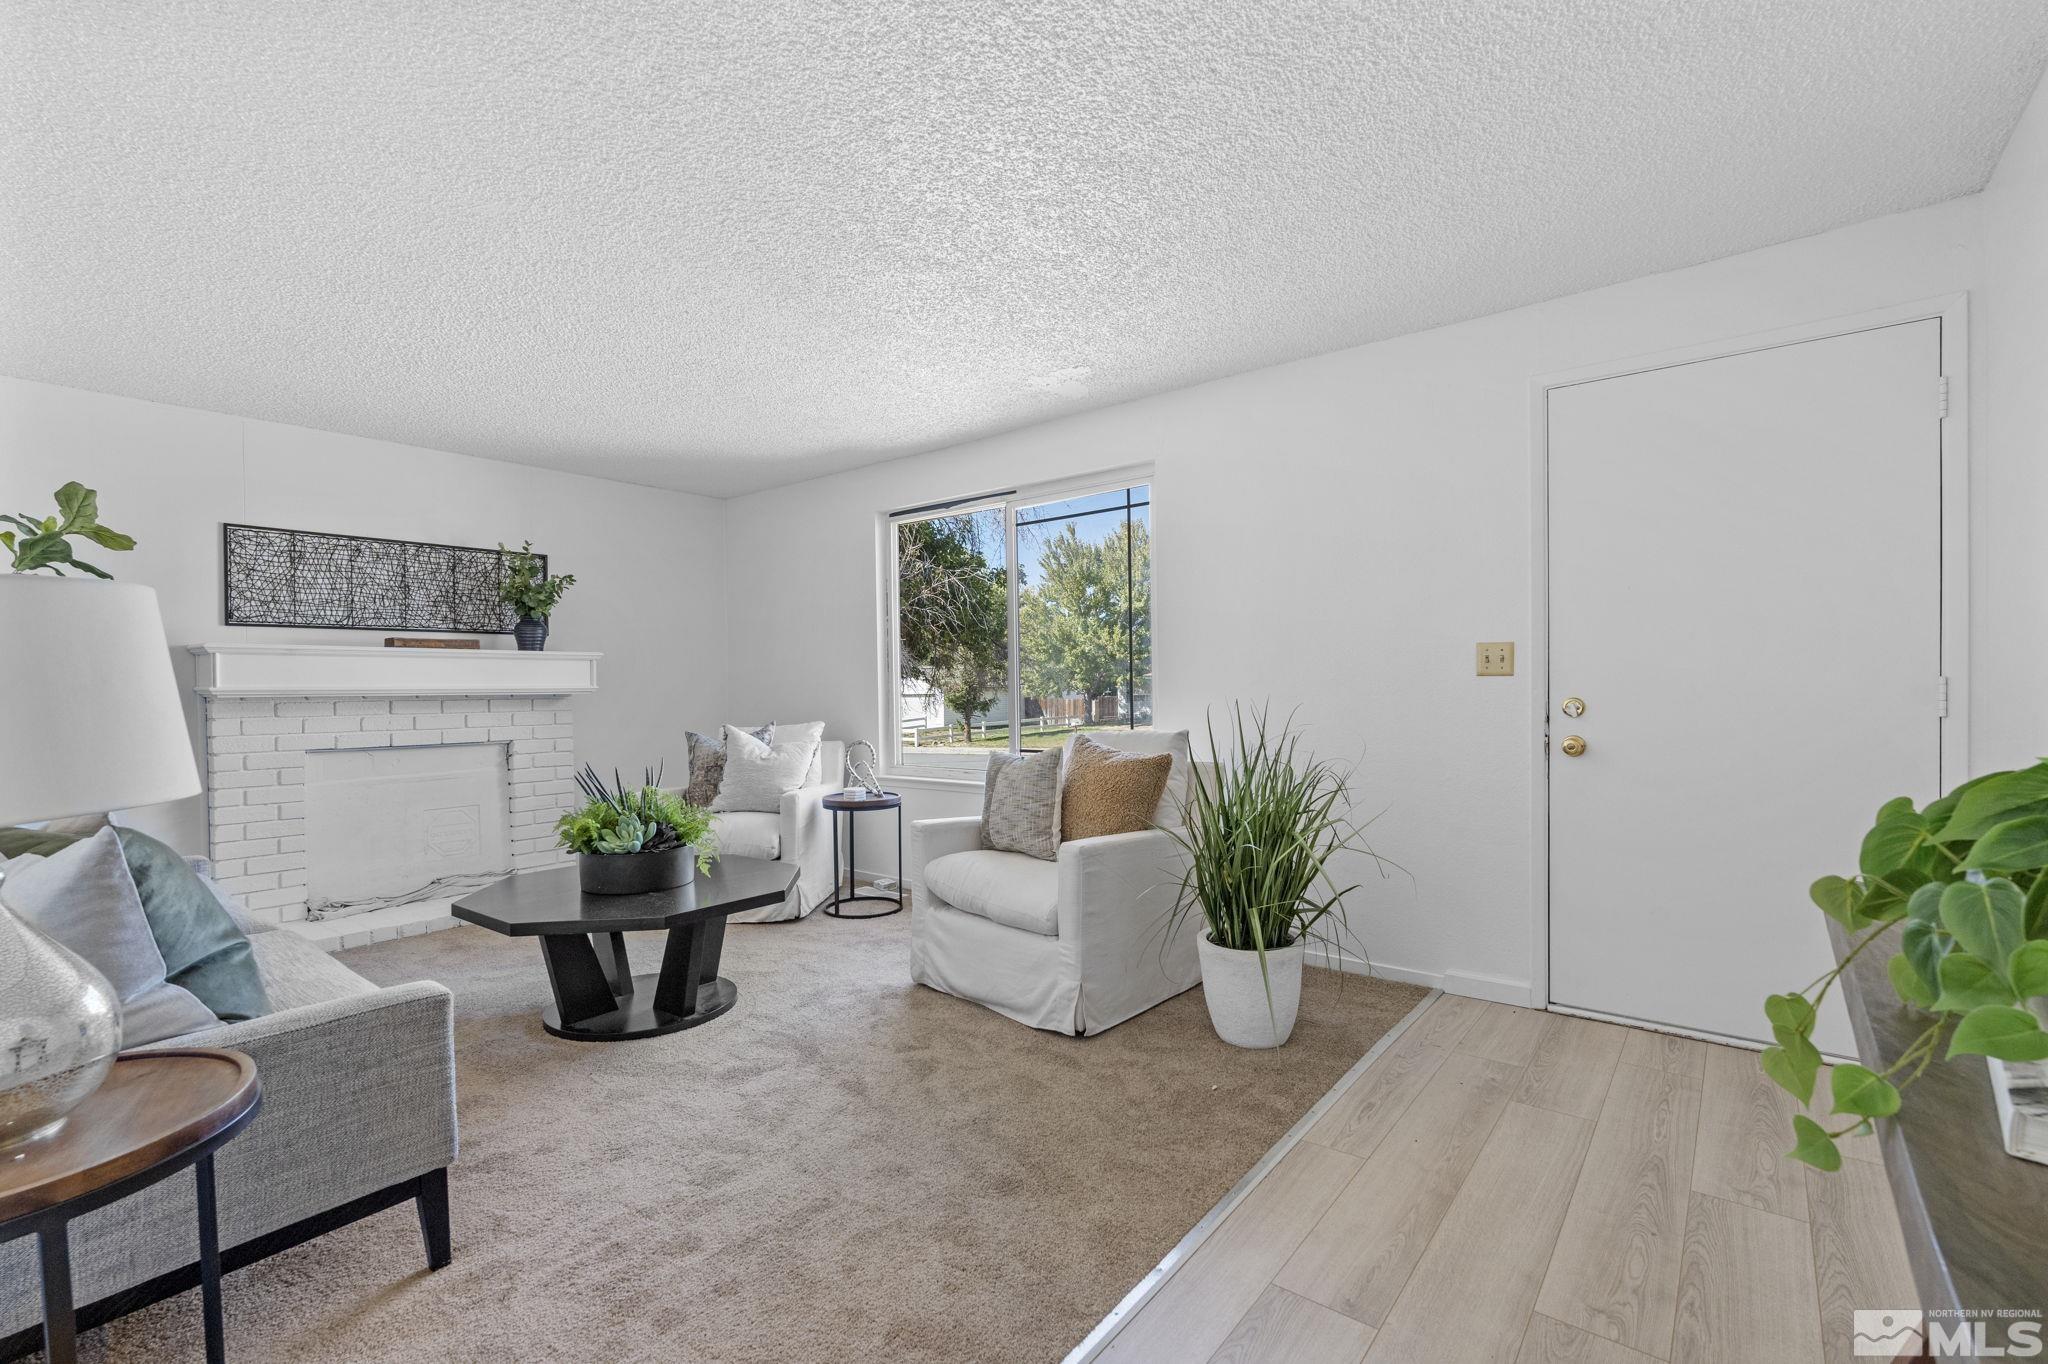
1236, 992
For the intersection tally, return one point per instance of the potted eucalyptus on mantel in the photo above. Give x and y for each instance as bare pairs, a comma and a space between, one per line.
1261, 828
528, 590
1958, 892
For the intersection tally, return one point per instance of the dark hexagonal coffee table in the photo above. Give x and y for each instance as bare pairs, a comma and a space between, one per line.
583, 942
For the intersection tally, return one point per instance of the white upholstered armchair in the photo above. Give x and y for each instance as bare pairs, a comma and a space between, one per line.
1074, 945
801, 832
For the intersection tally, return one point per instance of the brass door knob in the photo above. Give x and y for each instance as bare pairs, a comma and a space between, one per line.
1573, 745
1573, 707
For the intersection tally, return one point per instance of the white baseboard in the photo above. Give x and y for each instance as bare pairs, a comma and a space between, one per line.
1498, 989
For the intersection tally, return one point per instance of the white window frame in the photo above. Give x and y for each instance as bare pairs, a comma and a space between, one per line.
1007, 502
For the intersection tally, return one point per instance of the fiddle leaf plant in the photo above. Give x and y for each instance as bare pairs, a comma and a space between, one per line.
1959, 891
43, 542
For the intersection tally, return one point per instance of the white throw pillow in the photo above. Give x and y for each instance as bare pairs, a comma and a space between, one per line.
85, 898
758, 775
1149, 741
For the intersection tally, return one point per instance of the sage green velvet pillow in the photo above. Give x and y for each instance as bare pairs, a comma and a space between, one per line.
204, 950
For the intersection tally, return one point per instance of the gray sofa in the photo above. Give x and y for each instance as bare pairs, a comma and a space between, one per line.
358, 1115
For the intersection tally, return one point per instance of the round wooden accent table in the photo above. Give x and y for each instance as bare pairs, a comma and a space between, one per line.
158, 1112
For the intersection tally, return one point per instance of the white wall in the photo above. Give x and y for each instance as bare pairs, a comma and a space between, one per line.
1333, 534
649, 564
2009, 479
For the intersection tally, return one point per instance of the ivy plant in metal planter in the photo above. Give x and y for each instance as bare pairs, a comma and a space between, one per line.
1958, 892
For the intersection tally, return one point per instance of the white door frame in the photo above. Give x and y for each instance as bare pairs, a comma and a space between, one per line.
1953, 312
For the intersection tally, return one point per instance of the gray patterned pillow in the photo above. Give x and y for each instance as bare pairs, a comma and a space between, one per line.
1020, 809
707, 763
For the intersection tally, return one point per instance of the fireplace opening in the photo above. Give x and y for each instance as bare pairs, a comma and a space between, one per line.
387, 826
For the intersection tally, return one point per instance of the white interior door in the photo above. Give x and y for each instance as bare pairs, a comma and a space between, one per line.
1745, 593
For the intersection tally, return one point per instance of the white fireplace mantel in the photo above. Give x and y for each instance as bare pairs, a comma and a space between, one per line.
227, 670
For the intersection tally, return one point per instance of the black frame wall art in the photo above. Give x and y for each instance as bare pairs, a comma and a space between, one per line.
312, 580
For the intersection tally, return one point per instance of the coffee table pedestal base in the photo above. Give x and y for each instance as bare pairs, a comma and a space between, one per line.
637, 1015
598, 1000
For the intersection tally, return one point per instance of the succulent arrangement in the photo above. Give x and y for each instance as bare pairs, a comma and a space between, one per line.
40, 542
618, 819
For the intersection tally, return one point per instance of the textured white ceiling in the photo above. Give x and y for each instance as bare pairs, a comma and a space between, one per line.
721, 246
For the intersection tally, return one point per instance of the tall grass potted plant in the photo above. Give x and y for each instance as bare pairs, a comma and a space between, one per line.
1261, 830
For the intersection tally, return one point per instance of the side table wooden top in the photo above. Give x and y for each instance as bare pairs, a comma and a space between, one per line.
153, 1107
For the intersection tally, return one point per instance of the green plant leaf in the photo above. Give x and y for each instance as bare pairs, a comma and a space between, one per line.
1802, 1062
1939, 811
79, 504
106, 538
1815, 1147
1839, 898
2029, 969
1968, 982
1893, 808
1925, 945
2016, 845
1995, 799
2037, 908
1906, 982
1923, 906
1893, 842
1987, 919
1886, 896
1791, 1074
1862, 1092
40, 551
2002, 1031
96, 572
1791, 1012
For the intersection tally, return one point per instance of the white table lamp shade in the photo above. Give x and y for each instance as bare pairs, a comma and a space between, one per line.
90, 717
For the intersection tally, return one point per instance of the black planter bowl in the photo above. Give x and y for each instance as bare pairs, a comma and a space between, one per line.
636, 873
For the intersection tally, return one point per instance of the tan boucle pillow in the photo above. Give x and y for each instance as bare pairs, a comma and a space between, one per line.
1108, 791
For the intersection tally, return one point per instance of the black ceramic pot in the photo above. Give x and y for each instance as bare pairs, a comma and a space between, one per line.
531, 632
636, 873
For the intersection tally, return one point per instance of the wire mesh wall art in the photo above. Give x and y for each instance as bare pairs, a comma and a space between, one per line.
311, 579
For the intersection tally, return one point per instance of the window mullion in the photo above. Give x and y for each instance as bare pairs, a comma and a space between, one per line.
1016, 685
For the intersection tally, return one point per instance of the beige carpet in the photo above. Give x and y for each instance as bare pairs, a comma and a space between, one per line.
845, 1167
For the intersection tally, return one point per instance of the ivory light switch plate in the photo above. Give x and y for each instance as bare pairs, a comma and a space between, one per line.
1497, 659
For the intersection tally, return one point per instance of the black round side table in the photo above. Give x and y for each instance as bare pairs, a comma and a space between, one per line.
851, 805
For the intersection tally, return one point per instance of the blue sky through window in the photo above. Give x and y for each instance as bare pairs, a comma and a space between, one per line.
1094, 518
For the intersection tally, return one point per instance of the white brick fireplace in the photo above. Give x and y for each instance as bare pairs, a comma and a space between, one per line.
267, 707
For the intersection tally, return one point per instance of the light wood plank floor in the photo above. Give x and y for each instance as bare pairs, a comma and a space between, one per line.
1508, 1184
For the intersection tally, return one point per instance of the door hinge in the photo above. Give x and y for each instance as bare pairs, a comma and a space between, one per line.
1941, 397
1941, 697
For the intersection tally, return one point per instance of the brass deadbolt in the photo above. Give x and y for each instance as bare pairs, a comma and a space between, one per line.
1573, 707
1573, 745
